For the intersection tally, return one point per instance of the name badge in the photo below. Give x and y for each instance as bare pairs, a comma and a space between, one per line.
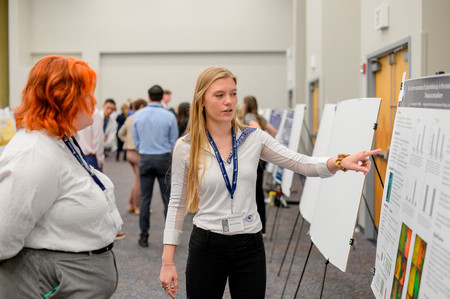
233, 224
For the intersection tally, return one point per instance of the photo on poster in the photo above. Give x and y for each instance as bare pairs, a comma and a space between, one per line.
415, 274
401, 262
388, 193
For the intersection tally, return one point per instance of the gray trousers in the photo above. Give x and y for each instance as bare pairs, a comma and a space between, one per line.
45, 274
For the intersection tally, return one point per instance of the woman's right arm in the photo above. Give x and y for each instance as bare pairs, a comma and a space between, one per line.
168, 275
175, 217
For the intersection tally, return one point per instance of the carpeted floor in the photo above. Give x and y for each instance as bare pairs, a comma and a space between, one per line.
139, 267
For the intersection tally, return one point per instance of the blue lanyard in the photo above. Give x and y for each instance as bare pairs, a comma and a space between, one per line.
77, 156
231, 188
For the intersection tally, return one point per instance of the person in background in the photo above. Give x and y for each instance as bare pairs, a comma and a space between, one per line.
120, 120
91, 140
58, 216
109, 125
239, 114
253, 119
183, 117
133, 157
214, 175
167, 97
155, 131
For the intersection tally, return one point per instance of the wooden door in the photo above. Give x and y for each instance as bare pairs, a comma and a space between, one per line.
387, 87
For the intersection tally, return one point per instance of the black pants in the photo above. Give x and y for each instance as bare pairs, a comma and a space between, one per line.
153, 167
260, 198
214, 258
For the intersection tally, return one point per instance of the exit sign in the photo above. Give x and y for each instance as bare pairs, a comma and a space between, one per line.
382, 17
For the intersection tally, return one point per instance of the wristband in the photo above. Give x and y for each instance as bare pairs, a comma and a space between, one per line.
339, 160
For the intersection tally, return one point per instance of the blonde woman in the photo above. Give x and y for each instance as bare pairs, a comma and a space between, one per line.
214, 175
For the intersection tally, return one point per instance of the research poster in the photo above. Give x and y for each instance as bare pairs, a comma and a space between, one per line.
286, 135
294, 142
413, 247
275, 118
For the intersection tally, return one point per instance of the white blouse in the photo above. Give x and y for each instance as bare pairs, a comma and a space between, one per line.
48, 200
215, 200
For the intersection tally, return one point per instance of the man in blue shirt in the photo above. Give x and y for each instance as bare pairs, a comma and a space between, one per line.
155, 131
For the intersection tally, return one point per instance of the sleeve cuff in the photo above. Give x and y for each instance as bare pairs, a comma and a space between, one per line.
322, 168
172, 236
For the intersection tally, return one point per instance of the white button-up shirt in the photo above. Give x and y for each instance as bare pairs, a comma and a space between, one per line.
48, 200
215, 200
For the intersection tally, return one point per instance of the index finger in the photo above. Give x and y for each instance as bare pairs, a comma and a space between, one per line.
372, 152
170, 294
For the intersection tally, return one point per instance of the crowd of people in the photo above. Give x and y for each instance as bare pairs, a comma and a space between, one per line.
57, 205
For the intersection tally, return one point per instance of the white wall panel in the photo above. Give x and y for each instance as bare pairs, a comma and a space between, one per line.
123, 76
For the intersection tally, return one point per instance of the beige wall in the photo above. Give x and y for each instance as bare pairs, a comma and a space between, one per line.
405, 21
300, 51
436, 26
341, 50
99, 30
333, 49
4, 76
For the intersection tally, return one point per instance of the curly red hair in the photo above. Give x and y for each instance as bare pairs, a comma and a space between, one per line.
54, 95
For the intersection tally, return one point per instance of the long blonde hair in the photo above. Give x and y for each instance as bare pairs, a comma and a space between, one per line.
197, 131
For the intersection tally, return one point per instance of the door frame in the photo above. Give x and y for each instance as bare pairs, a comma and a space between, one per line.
380, 53
369, 190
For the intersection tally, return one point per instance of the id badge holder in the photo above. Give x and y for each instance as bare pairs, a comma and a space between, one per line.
233, 224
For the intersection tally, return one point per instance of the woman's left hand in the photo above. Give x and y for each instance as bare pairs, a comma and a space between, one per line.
359, 161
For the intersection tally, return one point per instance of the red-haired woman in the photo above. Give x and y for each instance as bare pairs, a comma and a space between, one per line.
58, 217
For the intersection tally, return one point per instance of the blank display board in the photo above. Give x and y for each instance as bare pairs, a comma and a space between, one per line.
294, 141
333, 224
312, 184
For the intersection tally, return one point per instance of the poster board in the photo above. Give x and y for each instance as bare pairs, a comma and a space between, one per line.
294, 142
277, 119
284, 139
413, 247
312, 184
334, 220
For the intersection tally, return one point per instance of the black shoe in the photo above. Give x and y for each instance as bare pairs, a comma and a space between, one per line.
143, 242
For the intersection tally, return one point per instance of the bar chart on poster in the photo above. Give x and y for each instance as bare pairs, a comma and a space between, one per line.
413, 247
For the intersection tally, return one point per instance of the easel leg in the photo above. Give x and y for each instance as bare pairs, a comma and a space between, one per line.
289, 243
293, 257
275, 222
274, 234
303, 271
370, 214
324, 274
